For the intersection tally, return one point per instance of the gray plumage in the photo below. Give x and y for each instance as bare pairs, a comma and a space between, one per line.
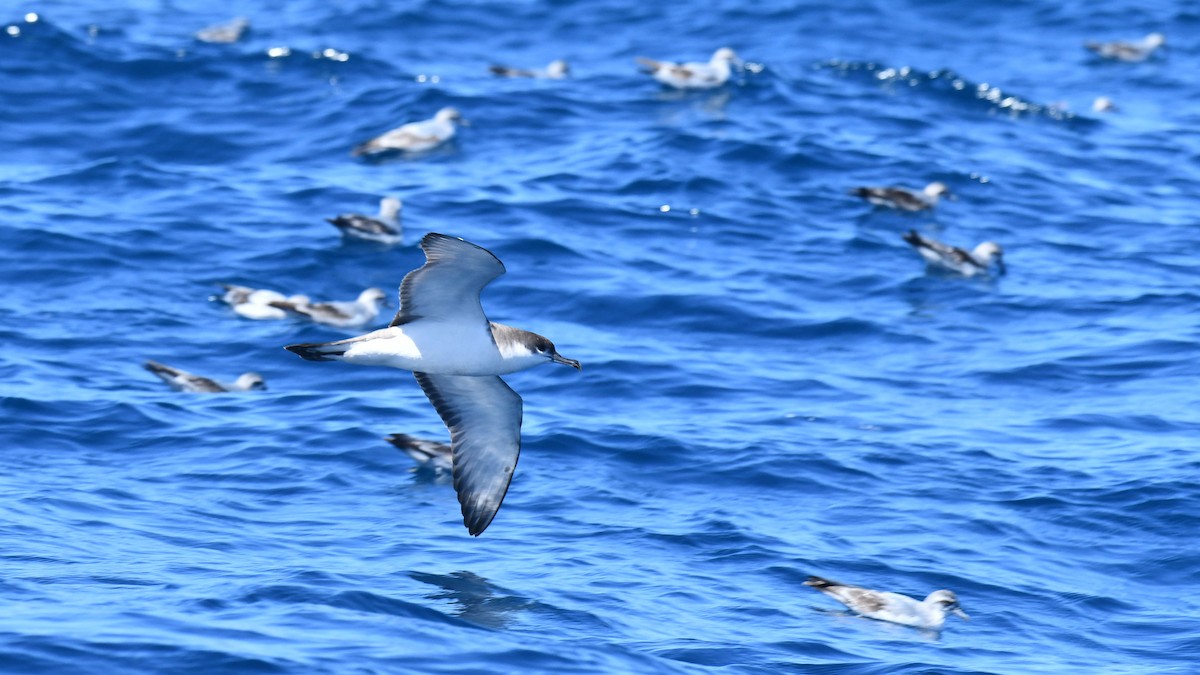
929, 613
181, 380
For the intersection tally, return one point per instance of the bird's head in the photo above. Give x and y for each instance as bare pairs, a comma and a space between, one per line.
251, 382
543, 348
990, 253
940, 189
558, 69
948, 602
451, 115
372, 296
726, 54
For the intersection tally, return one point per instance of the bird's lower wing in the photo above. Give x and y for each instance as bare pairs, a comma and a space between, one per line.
483, 415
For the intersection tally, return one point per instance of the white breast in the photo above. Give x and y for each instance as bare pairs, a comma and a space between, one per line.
440, 348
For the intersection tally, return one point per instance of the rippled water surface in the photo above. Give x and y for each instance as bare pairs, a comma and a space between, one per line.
773, 385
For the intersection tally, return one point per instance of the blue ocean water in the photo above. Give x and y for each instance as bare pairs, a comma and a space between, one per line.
773, 385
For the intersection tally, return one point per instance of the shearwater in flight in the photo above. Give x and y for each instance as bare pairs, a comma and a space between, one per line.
442, 335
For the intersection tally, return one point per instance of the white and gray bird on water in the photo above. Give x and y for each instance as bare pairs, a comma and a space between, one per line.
443, 336
383, 228
903, 198
1132, 52
557, 70
346, 314
255, 303
929, 613
415, 136
954, 259
693, 75
435, 455
181, 380
224, 33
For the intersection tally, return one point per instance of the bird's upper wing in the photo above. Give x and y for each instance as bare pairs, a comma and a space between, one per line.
483, 415
447, 286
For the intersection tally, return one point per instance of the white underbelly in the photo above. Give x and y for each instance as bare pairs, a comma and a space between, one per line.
429, 347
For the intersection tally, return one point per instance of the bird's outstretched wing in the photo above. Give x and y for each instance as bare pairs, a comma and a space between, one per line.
483, 415
447, 286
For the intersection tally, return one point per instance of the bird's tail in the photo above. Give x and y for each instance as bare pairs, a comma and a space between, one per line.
419, 449
820, 583
649, 64
319, 351
914, 239
165, 372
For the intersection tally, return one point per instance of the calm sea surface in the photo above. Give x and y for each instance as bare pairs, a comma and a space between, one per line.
773, 385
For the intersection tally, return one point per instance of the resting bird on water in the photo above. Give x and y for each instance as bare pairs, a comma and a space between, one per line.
383, 228
693, 75
557, 70
415, 136
928, 613
340, 314
442, 335
955, 259
437, 456
1131, 52
181, 380
255, 303
904, 199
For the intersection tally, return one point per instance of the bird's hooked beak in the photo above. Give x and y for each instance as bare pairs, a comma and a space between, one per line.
559, 358
957, 611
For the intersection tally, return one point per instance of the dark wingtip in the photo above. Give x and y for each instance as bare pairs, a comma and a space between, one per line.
818, 582
912, 238
309, 351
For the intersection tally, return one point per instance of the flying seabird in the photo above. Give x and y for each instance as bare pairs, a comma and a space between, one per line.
1128, 51
457, 355
383, 228
415, 136
557, 70
255, 303
181, 380
341, 314
437, 456
904, 199
954, 259
928, 613
693, 75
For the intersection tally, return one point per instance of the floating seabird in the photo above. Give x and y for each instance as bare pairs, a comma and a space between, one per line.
557, 70
255, 303
954, 259
383, 228
904, 199
433, 454
1104, 104
457, 356
415, 136
693, 75
181, 380
340, 314
1128, 51
224, 33
928, 613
